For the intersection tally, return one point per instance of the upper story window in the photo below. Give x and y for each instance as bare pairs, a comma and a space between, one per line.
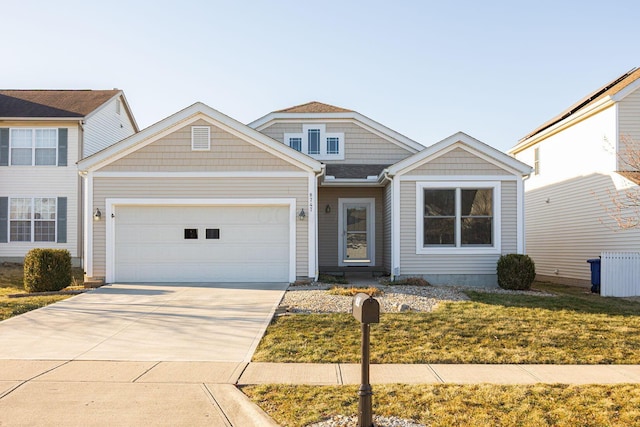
458, 217
536, 161
317, 142
30, 147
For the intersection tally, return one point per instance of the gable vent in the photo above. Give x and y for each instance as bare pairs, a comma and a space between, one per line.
200, 138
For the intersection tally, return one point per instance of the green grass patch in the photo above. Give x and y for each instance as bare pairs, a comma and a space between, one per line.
572, 327
11, 282
458, 405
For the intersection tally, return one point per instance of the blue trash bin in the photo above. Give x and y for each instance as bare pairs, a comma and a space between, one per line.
595, 274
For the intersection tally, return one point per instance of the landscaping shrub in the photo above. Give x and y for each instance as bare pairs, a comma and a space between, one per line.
516, 271
47, 270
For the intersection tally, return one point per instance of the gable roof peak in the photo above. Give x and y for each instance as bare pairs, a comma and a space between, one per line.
314, 107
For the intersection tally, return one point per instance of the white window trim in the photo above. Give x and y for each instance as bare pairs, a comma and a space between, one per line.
33, 147
497, 221
195, 129
32, 221
304, 136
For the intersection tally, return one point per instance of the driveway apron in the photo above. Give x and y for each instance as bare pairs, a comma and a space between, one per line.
147, 322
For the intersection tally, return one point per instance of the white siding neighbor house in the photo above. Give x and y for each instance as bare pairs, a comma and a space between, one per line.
314, 188
43, 134
579, 169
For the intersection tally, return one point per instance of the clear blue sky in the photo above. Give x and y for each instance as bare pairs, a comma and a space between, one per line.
427, 69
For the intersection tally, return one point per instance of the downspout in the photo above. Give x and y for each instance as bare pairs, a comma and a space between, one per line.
318, 176
524, 222
386, 176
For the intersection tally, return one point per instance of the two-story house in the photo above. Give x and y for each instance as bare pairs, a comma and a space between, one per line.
43, 134
580, 169
200, 197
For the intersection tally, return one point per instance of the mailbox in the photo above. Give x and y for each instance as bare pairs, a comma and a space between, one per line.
366, 309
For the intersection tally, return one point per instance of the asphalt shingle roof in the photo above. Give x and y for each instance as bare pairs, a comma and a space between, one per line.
52, 103
314, 107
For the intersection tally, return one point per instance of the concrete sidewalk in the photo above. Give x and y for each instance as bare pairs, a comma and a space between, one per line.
81, 392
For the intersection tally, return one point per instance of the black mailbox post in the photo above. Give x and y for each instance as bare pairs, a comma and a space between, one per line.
366, 310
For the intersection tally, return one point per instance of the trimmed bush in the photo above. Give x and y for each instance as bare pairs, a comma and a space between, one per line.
47, 270
516, 271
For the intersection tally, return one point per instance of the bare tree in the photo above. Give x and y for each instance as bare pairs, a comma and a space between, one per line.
625, 204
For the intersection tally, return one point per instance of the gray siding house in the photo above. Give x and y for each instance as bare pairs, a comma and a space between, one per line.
314, 188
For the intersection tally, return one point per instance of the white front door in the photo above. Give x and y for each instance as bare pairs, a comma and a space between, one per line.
356, 228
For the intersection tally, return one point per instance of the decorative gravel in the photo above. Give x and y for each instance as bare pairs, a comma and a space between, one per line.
315, 298
342, 421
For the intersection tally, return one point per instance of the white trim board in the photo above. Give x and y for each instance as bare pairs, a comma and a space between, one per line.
111, 205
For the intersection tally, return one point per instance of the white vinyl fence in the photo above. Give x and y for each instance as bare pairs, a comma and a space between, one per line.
620, 274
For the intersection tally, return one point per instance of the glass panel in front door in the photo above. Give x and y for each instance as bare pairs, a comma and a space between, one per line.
356, 234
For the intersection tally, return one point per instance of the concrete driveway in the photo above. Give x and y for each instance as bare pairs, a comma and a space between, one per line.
147, 322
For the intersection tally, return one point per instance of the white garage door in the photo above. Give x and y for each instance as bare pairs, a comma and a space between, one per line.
202, 244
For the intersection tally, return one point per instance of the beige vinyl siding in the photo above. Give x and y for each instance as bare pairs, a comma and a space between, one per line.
173, 153
200, 188
412, 263
328, 222
629, 124
361, 145
388, 226
567, 223
105, 127
45, 181
458, 162
509, 220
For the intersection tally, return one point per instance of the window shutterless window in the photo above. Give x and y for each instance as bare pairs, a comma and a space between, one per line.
314, 141
333, 145
295, 143
459, 217
33, 147
536, 161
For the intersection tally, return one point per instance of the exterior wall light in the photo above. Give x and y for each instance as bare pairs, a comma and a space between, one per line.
302, 215
97, 215
327, 209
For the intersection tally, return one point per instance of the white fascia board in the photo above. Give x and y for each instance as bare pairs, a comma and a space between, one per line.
468, 143
357, 118
475, 178
626, 91
203, 174
577, 117
183, 118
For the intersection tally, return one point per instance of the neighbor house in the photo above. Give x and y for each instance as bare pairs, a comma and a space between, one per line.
314, 188
580, 168
43, 134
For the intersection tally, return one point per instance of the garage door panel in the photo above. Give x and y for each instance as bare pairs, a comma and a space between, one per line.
253, 243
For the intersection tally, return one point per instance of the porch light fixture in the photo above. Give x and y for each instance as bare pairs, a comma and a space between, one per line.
327, 209
302, 215
97, 215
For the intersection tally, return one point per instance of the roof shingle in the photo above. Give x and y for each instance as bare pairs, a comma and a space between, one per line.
314, 107
52, 103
